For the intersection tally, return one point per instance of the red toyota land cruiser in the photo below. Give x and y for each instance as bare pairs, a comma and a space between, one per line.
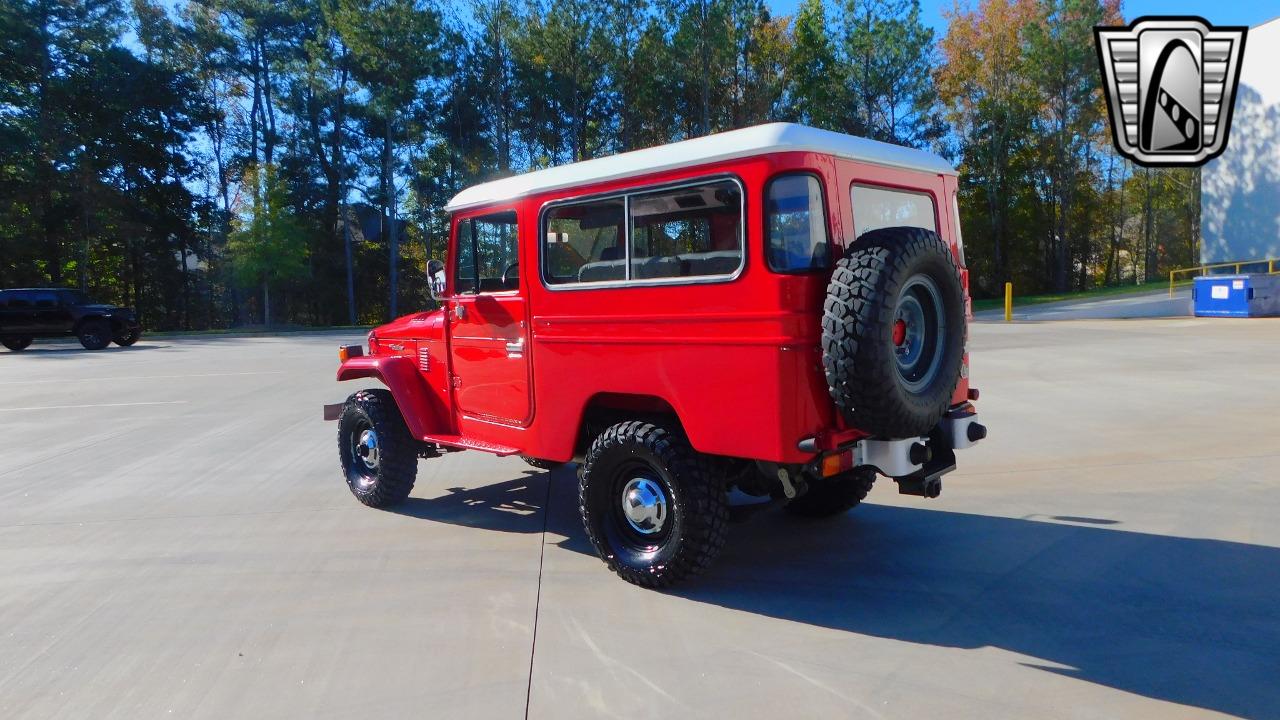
778, 309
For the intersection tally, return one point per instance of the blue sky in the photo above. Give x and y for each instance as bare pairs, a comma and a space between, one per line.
1219, 12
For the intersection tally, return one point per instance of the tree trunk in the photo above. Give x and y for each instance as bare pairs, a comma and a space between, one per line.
266, 304
351, 283
389, 195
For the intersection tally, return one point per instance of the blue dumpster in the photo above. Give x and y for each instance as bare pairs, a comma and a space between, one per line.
1250, 295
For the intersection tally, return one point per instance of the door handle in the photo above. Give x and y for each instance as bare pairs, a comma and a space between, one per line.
515, 348
460, 311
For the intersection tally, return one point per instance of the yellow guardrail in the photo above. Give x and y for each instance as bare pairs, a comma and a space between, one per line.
1273, 267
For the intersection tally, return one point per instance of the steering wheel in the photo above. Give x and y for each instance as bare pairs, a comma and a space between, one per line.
508, 275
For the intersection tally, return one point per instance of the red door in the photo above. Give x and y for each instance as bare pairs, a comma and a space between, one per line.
488, 332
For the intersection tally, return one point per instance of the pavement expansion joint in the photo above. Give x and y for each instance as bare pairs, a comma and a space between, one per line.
537, 603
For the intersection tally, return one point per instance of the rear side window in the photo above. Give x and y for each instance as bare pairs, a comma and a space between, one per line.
795, 224
45, 300
19, 300
487, 254
585, 242
686, 232
879, 207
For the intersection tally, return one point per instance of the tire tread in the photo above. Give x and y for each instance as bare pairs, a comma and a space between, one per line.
706, 508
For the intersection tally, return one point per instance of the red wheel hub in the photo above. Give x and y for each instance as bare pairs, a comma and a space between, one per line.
899, 332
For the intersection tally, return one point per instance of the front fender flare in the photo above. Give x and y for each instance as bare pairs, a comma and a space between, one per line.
422, 411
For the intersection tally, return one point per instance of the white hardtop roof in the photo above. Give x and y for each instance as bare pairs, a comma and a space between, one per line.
747, 142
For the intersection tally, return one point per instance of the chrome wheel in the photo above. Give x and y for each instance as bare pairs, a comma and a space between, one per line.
919, 324
644, 506
366, 449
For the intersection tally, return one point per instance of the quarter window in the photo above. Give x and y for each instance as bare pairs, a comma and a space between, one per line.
795, 223
487, 254
878, 207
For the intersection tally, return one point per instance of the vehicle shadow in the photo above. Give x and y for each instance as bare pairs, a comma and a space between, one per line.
55, 352
510, 506
1189, 621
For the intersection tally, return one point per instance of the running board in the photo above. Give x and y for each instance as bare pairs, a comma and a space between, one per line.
466, 443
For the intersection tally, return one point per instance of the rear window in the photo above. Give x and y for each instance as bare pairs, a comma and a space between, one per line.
879, 207
16, 299
795, 223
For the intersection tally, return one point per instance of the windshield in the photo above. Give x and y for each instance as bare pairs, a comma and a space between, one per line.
75, 297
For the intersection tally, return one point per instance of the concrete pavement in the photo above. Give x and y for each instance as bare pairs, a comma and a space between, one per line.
176, 541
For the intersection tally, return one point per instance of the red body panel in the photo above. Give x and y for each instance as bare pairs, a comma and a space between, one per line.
739, 361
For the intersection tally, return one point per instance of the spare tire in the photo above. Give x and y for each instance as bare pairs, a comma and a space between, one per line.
893, 332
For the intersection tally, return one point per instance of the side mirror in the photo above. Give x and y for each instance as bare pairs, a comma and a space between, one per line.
435, 279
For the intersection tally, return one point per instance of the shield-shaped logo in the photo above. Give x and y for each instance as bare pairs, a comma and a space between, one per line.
1171, 86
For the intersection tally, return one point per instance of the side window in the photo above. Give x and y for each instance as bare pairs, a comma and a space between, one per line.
584, 242
795, 223
686, 232
19, 300
487, 257
878, 207
45, 300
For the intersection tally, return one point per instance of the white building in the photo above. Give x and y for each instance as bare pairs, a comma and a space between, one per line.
1240, 189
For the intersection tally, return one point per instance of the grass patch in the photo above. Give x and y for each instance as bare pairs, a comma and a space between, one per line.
1022, 300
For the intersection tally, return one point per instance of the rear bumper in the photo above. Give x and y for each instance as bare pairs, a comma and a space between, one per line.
959, 429
917, 464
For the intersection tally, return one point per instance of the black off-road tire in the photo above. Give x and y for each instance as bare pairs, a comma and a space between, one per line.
858, 349
127, 338
391, 481
16, 343
697, 520
94, 334
540, 463
834, 495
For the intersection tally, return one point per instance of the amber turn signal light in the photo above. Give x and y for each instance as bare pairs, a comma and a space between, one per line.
346, 352
836, 463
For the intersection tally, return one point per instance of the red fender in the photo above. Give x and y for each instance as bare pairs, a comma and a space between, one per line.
421, 409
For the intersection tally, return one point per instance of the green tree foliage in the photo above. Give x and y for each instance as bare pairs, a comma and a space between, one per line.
266, 247
202, 159
887, 54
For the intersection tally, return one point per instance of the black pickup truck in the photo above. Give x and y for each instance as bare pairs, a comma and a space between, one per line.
28, 313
